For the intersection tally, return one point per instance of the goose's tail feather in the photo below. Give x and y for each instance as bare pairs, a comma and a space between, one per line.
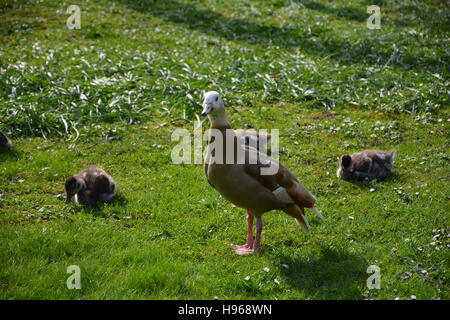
299, 214
303, 223
316, 212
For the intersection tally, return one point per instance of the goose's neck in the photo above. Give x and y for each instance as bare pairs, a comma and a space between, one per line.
219, 122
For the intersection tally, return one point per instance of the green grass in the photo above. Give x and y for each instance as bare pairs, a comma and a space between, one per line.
309, 68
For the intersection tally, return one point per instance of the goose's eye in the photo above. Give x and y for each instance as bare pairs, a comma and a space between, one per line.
217, 98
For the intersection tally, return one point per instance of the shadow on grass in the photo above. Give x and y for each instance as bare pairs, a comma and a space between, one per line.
335, 274
119, 200
97, 210
346, 12
367, 184
368, 51
9, 155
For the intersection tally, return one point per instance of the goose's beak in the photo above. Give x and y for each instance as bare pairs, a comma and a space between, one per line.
207, 108
68, 198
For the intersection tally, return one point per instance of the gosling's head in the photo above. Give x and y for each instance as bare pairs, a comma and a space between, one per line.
73, 186
213, 104
345, 167
5, 143
346, 162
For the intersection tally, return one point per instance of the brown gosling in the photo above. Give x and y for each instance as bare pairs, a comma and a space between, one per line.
5, 143
91, 186
367, 164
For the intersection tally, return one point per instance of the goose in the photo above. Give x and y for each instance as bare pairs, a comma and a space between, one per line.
90, 186
5, 143
370, 164
246, 185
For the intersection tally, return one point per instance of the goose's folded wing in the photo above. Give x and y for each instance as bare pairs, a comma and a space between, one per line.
280, 178
303, 222
253, 138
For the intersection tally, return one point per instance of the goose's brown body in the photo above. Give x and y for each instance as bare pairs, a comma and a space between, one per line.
246, 187
253, 138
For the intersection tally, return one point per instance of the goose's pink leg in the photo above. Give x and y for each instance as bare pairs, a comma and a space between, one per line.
249, 244
252, 245
259, 227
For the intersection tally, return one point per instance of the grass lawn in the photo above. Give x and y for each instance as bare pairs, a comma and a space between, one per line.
136, 69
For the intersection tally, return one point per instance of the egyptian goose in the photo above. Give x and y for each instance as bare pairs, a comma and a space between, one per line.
90, 186
248, 185
370, 164
5, 143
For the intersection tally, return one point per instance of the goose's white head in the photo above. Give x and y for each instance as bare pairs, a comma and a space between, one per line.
213, 104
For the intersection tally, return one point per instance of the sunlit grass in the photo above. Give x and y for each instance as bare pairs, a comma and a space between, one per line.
308, 68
